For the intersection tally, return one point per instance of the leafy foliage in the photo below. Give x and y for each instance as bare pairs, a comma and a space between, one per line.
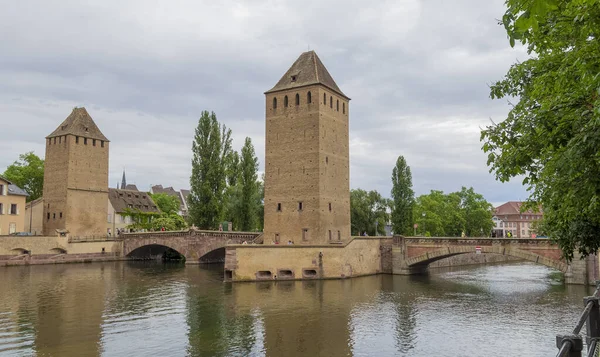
167, 204
28, 174
552, 134
441, 215
366, 208
211, 148
403, 198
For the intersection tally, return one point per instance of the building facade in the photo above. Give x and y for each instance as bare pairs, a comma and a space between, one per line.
307, 191
76, 177
12, 208
34, 217
509, 218
119, 201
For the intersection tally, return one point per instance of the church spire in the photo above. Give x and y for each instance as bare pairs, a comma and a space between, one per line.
123, 181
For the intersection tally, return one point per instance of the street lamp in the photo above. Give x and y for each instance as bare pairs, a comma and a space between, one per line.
424, 230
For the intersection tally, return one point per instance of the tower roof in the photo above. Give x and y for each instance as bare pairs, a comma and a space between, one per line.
307, 70
79, 123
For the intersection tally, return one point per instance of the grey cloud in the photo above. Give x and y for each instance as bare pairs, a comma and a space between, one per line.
417, 71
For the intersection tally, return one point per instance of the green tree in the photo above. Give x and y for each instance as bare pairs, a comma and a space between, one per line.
232, 165
368, 212
167, 204
552, 134
477, 213
247, 204
28, 174
403, 198
211, 148
172, 222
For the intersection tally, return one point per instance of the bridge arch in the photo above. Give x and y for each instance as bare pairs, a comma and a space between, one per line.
425, 259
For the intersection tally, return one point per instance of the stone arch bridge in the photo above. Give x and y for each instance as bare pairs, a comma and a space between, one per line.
412, 255
192, 244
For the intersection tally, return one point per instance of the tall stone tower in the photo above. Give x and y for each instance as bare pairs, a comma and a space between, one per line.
307, 191
76, 177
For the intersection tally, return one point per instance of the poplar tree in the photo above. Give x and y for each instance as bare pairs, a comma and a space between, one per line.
210, 148
403, 197
247, 211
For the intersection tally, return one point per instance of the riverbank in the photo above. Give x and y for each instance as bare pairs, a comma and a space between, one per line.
41, 259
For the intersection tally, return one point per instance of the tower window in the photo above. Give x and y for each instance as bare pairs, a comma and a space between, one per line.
84, 141
305, 234
60, 215
309, 98
339, 235
343, 108
285, 101
329, 206
279, 207
326, 159
60, 139
294, 78
94, 142
330, 234
48, 216
49, 141
276, 237
337, 105
53, 215
274, 103
101, 143
330, 102
300, 206
55, 140
297, 99
324, 98
77, 140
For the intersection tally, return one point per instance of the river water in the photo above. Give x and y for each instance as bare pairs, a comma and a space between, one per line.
154, 309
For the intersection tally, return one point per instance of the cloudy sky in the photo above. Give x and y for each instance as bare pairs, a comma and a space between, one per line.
417, 72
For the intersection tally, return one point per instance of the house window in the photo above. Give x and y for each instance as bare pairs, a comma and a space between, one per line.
299, 206
279, 207
1, 190
1, 209
297, 99
309, 98
305, 234
13, 209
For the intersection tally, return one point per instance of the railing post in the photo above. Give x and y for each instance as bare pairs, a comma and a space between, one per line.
593, 320
575, 342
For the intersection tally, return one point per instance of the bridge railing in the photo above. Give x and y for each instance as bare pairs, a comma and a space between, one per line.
571, 345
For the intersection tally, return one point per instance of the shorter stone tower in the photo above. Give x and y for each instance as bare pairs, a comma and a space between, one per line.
76, 177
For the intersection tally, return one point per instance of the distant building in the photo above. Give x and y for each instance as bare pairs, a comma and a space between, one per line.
34, 214
125, 185
119, 201
180, 195
12, 207
509, 218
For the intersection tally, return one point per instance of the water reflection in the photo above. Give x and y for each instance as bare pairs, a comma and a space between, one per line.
150, 309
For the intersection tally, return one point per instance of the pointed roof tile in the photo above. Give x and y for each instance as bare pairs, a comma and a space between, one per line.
79, 123
307, 70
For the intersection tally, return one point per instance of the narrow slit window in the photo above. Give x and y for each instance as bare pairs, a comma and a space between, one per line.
279, 207
337, 105
339, 235
300, 206
84, 141
305, 234
330, 102
285, 101
309, 98
77, 140
297, 99
343, 108
324, 98
274, 103
101, 143
329, 206
94, 142
330, 237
